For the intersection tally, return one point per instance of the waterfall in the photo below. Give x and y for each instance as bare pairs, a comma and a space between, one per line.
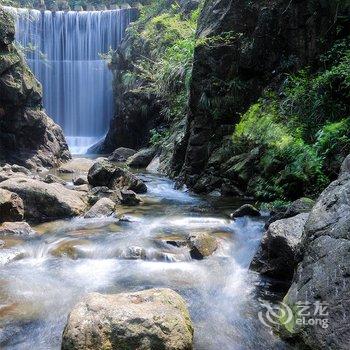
64, 51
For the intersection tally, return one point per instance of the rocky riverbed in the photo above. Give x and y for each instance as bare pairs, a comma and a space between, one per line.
170, 239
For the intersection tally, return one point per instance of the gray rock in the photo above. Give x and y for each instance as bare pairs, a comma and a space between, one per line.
44, 201
245, 210
11, 206
121, 154
345, 167
16, 229
103, 208
142, 158
277, 256
153, 319
301, 205
324, 270
105, 173
201, 245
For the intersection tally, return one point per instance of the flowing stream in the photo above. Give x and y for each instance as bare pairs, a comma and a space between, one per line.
73, 257
65, 52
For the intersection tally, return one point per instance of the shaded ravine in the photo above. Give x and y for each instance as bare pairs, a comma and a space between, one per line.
37, 291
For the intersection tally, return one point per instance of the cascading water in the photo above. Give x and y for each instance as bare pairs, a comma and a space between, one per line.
64, 51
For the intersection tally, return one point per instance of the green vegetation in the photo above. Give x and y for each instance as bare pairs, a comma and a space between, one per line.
300, 136
166, 71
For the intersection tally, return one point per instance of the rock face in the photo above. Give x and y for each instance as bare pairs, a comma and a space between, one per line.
27, 135
149, 320
244, 47
142, 158
44, 201
105, 173
11, 206
277, 256
323, 273
103, 208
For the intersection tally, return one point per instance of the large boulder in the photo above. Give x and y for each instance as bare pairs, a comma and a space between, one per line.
142, 158
105, 173
27, 135
153, 319
345, 167
322, 277
277, 256
121, 154
43, 201
11, 206
103, 208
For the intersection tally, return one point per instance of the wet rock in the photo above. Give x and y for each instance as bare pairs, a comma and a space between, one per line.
44, 201
80, 180
27, 135
201, 245
103, 208
9, 242
150, 320
126, 197
105, 173
277, 256
142, 158
245, 210
134, 253
16, 229
121, 154
82, 188
299, 206
69, 249
323, 273
11, 206
50, 179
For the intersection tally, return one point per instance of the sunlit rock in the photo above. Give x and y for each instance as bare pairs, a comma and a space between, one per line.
245, 210
201, 245
103, 208
277, 256
150, 320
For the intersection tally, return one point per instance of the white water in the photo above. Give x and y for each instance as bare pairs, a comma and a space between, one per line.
38, 290
64, 51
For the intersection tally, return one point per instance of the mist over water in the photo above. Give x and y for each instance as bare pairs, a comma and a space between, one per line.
64, 50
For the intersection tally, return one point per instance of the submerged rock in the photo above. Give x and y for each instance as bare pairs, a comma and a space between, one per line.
245, 210
121, 154
201, 245
323, 274
105, 173
134, 253
16, 229
277, 256
11, 206
142, 158
103, 208
153, 319
44, 201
